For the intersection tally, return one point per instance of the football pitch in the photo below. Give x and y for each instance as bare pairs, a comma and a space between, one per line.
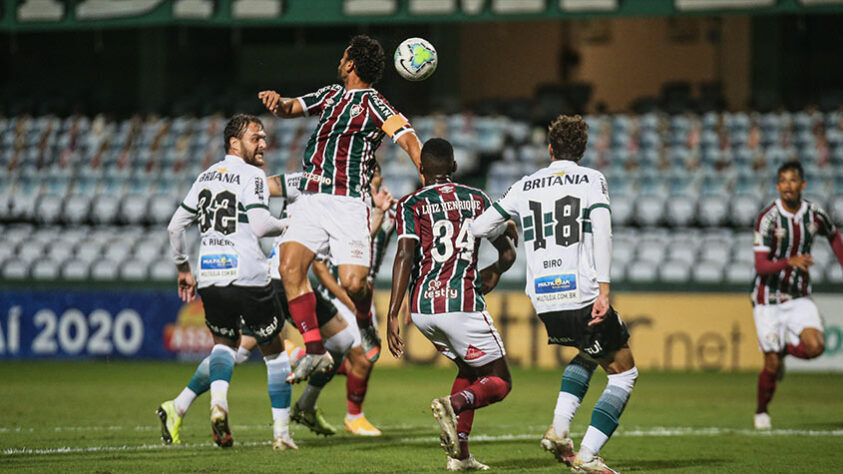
98, 416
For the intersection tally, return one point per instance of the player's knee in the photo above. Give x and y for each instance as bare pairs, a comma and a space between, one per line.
624, 380
355, 286
815, 348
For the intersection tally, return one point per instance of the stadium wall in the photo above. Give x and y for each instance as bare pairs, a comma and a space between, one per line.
669, 331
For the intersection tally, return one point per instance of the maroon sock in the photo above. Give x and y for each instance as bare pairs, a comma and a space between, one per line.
766, 388
484, 391
355, 392
363, 308
344, 368
797, 351
303, 311
466, 417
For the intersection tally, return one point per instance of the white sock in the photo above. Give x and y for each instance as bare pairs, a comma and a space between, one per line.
242, 355
219, 392
307, 400
351, 417
184, 400
593, 440
566, 406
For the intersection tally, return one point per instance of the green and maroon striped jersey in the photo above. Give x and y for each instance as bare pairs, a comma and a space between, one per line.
445, 277
782, 234
352, 124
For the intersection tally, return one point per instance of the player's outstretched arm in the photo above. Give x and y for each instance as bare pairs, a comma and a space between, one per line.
281, 107
178, 223
410, 143
506, 257
490, 225
400, 280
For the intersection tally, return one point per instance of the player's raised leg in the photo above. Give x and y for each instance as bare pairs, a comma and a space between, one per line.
295, 259
575, 381
622, 374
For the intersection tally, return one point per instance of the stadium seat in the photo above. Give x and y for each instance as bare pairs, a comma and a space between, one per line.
680, 210
739, 273
708, 272
618, 271
642, 271
649, 209
15, 269
623, 251
76, 208
49, 207
622, 208
834, 274
682, 251
713, 209
133, 270
165, 270
133, 207
651, 250
674, 271
105, 208
744, 210
45, 269
105, 270
75, 270
29, 250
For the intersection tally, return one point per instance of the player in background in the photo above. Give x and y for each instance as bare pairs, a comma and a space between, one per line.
331, 216
565, 217
229, 201
786, 318
357, 367
437, 258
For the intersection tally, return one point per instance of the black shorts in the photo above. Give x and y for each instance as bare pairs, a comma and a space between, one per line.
255, 309
325, 310
570, 328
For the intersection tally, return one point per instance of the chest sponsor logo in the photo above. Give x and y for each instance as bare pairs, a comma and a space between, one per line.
557, 179
326, 180
435, 290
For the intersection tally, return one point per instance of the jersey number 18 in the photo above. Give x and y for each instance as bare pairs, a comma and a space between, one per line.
560, 223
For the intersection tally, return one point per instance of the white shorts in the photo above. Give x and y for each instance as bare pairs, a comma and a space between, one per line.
780, 324
331, 225
471, 337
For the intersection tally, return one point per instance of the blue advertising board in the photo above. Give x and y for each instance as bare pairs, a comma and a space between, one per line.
84, 324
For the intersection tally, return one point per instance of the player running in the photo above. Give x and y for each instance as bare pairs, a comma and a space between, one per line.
564, 213
437, 257
786, 318
229, 201
331, 214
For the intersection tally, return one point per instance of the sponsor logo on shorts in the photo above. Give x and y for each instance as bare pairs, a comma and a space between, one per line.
556, 283
220, 261
560, 340
435, 290
595, 348
473, 353
358, 248
225, 332
268, 330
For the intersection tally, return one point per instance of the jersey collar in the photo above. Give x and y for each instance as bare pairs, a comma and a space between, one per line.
563, 164
351, 91
782, 210
234, 157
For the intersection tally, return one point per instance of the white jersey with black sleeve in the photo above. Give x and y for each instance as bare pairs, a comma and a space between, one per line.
222, 200
555, 207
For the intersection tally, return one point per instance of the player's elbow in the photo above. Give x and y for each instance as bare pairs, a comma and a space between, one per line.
506, 258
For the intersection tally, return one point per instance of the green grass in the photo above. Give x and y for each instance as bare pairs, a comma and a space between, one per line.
52, 405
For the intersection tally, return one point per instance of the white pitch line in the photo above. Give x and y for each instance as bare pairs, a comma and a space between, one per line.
636, 433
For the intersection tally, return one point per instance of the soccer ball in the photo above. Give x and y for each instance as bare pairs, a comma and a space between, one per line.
415, 59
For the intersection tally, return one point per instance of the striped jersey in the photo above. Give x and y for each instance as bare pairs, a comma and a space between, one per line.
783, 234
352, 124
554, 205
229, 252
444, 277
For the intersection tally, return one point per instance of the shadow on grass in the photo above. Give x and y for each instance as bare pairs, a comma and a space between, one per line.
533, 463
